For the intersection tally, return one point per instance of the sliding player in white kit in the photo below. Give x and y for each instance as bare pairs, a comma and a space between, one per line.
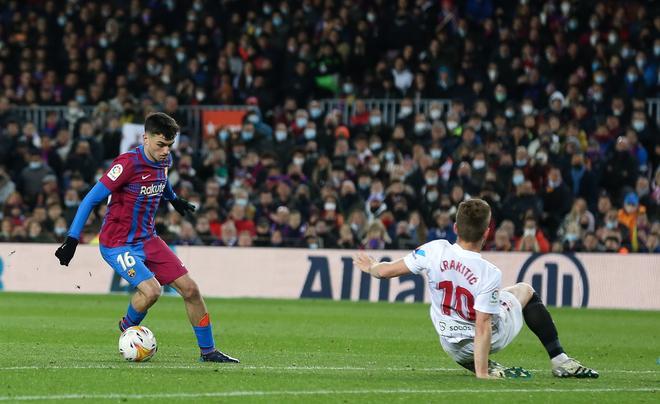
472, 314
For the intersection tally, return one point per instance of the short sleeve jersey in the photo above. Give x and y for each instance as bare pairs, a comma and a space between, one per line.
136, 185
460, 282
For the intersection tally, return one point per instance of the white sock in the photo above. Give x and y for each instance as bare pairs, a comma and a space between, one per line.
559, 359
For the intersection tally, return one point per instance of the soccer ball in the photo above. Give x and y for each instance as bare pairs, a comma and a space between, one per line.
137, 344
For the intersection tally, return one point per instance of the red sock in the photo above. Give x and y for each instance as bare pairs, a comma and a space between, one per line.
205, 321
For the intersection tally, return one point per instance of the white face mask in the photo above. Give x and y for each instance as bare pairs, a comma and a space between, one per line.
436, 153
301, 122
374, 168
310, 134
420, 127
375, 120
330, 206
638, 125
435, 114
530, 232
527, 109
518, 179
451, 125
406, 110
478, 164
280, 135
298, 161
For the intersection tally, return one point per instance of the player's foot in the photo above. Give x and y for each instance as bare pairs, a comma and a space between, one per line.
572, 368
217, 356
122, 327
500, 371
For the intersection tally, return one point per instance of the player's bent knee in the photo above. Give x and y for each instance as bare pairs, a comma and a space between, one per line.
526, 288
191, 292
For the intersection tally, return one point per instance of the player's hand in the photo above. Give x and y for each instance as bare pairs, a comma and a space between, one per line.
182, 206
363, 262
66, 250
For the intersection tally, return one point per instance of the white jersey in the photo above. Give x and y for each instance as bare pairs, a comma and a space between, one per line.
460, 282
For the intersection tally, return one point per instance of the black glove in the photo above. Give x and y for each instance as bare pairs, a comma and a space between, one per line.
66, 250
182, 206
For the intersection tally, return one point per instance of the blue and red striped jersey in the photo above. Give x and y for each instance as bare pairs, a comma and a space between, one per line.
136, 185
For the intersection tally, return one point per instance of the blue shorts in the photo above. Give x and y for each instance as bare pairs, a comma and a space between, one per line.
142, 261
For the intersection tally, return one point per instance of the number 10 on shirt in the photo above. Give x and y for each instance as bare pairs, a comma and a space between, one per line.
458, 299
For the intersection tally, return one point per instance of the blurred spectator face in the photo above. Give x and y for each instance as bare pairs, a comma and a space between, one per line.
612, 243
638, 121
529, 228
435, 111
315, 109
202, 226
521, 156
502, 241
71, 198
228, 233
554, 178
642, 186
443, 220
34, 230
54, 211
590, 242
457, 194
611, 219
301, 118
375, 118
604, 204
282, 215
527, 107
245, 239
622, 144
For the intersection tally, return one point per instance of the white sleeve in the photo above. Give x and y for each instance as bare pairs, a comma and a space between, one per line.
418, 260
488, 300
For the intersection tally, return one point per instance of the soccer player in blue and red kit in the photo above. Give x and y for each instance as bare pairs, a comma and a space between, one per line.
136, 182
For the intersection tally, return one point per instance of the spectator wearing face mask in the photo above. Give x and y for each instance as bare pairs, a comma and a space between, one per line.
532, 236
32, 176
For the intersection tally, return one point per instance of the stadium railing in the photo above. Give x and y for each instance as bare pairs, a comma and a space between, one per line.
193, 114
389, 108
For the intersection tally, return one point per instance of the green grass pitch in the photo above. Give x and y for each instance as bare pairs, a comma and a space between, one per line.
64, 347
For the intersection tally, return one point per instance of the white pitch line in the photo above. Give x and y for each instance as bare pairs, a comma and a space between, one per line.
232, 367
321, 392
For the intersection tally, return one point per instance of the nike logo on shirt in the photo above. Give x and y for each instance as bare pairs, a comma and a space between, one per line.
144, 177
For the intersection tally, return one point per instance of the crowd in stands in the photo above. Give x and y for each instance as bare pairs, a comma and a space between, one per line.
547, 122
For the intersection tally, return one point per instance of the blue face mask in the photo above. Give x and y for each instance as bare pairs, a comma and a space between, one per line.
247, 135
223, 135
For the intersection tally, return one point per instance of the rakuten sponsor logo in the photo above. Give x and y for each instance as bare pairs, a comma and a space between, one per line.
153, 189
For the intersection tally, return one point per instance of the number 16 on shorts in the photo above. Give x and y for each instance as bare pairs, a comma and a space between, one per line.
128, 262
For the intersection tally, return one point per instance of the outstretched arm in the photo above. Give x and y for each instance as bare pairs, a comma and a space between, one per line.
380, 269
97, 194
65, 252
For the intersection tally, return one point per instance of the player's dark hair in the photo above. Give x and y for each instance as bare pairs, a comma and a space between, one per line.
472, 219
159, 123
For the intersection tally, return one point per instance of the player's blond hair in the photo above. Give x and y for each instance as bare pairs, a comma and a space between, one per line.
472, 219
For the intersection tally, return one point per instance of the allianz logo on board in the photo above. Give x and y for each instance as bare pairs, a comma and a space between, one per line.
560, 279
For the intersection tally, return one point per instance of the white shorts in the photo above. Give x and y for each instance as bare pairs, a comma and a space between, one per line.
506, 326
